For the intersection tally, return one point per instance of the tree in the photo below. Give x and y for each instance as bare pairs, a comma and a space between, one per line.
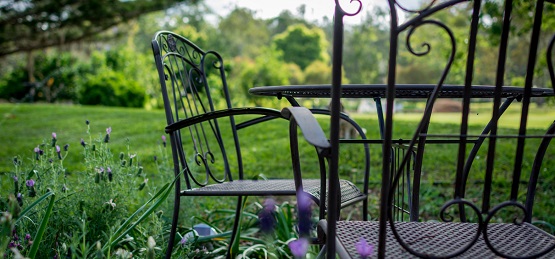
242, 35
301, 45
37, 24
284, 20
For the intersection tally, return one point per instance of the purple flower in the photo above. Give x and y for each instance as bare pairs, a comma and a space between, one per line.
54, 139
269, 204
107, 137
155, 158
83, 143
299, 247
87, 122
305, 213
15, 179
27, 236
364, 249
38, 152
66, 147
183, 240
110, 175
19, 199
164, 140
58, 150
30, 183
266, 216
31, 186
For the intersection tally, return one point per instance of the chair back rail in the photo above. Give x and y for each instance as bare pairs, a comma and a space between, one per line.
528, 151
189, 74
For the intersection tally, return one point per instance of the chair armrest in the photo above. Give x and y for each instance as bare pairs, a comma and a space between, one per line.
312, 131
220, 114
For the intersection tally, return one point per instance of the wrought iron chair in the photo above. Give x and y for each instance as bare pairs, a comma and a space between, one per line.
485, 215
204, 138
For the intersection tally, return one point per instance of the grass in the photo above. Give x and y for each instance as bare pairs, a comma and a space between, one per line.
139, 131
24, 126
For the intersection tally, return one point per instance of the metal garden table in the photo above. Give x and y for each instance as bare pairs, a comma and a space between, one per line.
404, 91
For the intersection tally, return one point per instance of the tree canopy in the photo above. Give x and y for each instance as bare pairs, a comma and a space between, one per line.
27, 25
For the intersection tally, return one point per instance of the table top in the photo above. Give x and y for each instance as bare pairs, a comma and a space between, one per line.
402, 91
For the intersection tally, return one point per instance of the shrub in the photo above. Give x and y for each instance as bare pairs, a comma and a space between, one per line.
55, 79
111, 88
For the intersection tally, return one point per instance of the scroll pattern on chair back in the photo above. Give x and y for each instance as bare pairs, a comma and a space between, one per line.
193, 83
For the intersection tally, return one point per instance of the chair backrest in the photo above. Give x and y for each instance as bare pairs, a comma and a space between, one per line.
193, 83
511, 160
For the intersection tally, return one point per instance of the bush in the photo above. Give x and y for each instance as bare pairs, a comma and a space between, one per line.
111, 88
55, 79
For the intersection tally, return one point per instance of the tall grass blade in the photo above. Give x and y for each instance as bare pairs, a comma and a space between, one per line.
32, 205
42, 228
126, 227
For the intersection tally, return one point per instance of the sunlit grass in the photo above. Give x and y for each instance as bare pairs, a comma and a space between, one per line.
265, 146
539, 117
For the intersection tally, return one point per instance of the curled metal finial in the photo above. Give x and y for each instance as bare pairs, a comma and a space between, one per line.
425, 8
338, 4
171, 43
427, 45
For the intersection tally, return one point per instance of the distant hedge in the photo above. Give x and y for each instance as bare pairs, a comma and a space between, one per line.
111, 88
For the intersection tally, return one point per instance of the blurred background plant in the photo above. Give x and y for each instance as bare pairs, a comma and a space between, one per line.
66, 63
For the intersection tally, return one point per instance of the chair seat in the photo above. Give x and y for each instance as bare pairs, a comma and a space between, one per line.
350, 193
442, 239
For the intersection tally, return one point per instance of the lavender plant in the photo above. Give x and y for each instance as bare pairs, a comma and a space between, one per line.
84, 213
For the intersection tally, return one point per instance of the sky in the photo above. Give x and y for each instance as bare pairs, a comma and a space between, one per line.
315, 9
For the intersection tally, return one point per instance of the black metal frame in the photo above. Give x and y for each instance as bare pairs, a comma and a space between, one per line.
484, 238
196, 134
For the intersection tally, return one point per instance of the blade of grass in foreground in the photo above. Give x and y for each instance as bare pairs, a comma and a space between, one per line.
159, 197
42, 228
32, 205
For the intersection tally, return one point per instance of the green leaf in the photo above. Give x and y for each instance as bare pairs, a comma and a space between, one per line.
42, 228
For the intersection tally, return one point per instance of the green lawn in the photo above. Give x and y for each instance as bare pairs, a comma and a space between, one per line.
265, 146
25, 126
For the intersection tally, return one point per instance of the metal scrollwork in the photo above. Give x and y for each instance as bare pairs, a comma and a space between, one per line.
517, 222
171, 43
347, 13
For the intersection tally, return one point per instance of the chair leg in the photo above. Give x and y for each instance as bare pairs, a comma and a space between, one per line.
236, 224
173, 230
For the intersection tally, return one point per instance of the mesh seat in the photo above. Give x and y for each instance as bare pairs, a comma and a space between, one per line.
443, 239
